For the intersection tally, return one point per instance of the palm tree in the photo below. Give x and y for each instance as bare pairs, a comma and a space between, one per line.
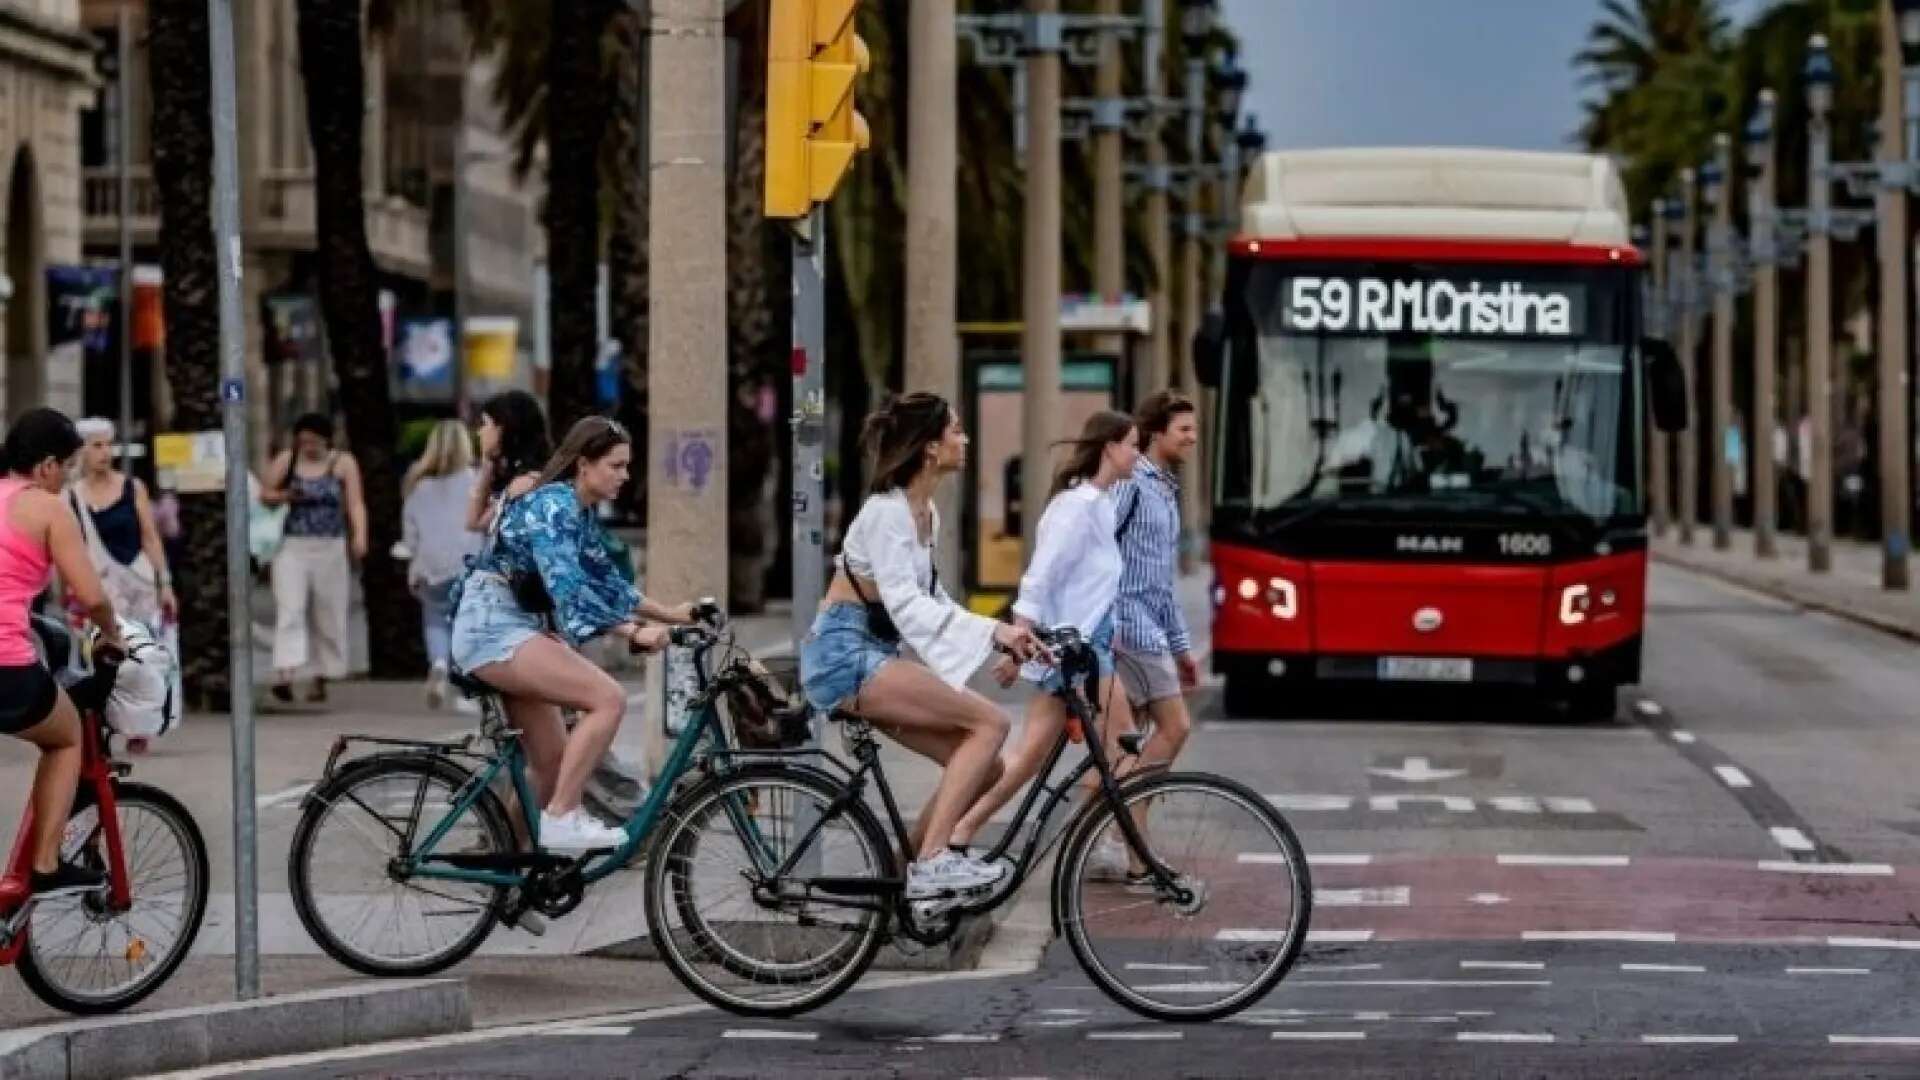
332, 66
182, 95
576, 117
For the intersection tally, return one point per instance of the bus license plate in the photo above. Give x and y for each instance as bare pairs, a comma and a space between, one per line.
1425, 669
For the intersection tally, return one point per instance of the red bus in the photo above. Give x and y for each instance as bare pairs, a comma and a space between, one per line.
1432, 405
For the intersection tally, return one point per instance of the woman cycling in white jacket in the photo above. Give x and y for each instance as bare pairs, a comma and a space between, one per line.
1072, 580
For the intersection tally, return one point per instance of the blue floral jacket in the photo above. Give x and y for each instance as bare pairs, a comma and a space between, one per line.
548, 531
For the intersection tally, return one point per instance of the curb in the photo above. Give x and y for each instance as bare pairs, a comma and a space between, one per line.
1793, 594
139, 1044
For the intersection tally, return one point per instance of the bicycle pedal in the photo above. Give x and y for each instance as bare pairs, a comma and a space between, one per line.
532, 923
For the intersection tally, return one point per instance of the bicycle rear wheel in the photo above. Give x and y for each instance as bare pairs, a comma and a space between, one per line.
739, 939
1228, 931
351, 836
84, 957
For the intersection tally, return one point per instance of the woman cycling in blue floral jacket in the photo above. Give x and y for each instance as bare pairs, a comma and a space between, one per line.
551, 539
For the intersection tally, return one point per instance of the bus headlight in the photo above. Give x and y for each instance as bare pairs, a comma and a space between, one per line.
1573, 605
1249, 588
1283, 600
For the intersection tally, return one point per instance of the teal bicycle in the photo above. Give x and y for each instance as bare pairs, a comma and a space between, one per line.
407, 856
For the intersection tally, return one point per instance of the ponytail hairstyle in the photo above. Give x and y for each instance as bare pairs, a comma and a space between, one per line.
591, 439
896, 437
1102, 430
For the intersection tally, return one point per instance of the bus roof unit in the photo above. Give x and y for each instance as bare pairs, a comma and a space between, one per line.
1436, 194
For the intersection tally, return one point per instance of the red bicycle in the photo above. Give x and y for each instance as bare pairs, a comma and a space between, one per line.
103, 951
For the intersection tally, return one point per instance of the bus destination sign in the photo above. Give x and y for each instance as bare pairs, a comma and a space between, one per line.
1456, 307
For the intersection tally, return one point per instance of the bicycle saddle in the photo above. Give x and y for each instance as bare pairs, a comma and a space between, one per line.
467, 684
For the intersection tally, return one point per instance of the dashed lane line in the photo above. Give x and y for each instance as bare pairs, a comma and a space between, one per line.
1732, 776
1669, 969
956, 1037
1502, 1037
1790, 838
1873, 943
770, 1034
1645, 937
1136, 1036
1563, 860
1460, 984
1375, 896
1874, 1040
1689, 1040
1503, 965
1829, 971
1853, 869
595, 1031
1318, 1036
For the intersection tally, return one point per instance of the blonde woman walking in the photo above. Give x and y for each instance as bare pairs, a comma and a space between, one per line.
434, 529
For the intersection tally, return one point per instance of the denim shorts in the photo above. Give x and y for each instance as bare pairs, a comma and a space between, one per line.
490, 625
839, 656
1048, 678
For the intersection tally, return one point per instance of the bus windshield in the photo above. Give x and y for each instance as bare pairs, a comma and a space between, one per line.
1411, 412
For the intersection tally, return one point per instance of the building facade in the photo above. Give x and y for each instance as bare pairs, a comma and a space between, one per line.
415, 74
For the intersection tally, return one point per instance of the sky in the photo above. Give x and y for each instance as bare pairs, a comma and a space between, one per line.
1417, 72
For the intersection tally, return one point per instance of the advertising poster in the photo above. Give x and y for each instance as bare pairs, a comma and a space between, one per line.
423, 355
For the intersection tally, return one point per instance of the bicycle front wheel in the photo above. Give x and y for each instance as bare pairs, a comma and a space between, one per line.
744, 938
344, 867
1227, 929
86, 958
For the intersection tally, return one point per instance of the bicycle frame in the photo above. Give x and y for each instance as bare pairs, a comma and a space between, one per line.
1037, 840
423, 862
97, 772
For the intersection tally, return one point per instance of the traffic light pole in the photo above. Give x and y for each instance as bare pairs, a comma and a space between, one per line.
933, 344
1659, 443
1720, 278
1040, 278
809, 421
1689, 436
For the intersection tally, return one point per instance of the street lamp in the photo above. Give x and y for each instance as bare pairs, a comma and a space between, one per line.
1251, 139
1759, 132
1197, 19
1229, 81
1908, 14
1817, 74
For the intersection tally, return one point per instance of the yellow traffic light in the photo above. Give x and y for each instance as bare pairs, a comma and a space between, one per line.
813, 130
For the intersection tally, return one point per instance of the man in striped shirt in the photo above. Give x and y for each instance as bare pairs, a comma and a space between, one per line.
1153, 653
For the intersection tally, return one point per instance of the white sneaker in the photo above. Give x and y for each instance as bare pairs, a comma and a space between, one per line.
950, 872
1108, 861
576, 832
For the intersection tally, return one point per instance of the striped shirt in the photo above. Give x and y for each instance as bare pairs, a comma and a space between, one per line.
1147, 616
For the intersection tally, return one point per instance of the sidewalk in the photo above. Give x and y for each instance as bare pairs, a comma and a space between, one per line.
1851, 590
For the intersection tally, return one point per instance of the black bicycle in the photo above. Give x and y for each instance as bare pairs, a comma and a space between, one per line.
772, 885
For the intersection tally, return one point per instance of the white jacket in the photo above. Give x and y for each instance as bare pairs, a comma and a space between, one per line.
883, 546
1074, 576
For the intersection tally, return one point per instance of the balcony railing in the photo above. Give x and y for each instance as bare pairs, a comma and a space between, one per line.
396, 230
101, 195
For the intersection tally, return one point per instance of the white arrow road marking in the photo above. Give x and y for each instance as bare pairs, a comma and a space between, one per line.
1417, 770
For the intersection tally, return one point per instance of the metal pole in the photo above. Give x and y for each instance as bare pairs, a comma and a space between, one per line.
1659, 443
1896, 495
1191, 304
1040, 286
1766, 349
1109, 178
462, 253
233, 415
933, 342
1720, 255
1160, 366
122, 99
1689, 437
1819, 349
809, 423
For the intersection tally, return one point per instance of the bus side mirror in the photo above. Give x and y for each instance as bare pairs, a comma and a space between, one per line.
1210, 349
1666, 385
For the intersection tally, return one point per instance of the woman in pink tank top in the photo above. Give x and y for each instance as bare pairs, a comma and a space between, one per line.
38, 534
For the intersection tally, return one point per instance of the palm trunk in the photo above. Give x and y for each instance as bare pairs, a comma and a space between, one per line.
182, 96
758, 328
577, 101
331, 63
626, 171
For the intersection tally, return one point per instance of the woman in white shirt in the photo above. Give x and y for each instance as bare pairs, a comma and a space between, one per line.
1072, 580
434, 529
885, 592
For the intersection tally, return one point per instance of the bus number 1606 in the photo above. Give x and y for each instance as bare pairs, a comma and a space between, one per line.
1535, 544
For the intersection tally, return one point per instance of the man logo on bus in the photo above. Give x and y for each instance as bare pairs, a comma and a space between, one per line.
1429, 545
1372, 305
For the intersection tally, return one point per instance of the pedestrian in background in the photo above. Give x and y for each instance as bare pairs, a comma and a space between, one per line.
116, 517
326, 524
434, 528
